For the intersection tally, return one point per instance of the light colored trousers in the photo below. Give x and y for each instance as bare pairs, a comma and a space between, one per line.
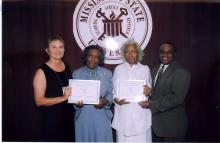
144, 137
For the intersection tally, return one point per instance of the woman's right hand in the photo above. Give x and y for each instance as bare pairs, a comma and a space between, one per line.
79, 104
120, 102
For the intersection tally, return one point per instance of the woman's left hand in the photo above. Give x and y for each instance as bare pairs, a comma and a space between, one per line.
102, 103
147, 90
67, 92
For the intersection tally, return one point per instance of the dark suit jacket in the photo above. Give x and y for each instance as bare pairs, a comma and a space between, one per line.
168, 101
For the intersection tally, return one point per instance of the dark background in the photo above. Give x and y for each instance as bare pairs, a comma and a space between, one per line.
193, 26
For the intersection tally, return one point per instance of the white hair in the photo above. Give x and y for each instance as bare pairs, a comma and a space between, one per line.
137, 47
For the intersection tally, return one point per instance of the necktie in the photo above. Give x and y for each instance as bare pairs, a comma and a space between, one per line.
159, 75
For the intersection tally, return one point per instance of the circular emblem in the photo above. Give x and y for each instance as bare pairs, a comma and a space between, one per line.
110, 23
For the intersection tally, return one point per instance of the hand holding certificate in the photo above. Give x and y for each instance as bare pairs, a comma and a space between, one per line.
102, 103
87, 91
131, 90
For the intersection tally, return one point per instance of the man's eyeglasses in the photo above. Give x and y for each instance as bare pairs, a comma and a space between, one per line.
166, 52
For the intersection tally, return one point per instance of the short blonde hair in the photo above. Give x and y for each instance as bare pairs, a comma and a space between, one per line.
137, 47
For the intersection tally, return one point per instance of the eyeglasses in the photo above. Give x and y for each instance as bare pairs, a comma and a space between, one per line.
166, 52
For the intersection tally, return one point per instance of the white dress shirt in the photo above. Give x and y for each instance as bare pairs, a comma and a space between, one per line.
165, 67
131, 119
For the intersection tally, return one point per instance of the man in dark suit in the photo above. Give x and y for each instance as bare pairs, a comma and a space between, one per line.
167, 101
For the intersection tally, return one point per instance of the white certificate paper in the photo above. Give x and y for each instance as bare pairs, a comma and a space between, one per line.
131, 90
87, 91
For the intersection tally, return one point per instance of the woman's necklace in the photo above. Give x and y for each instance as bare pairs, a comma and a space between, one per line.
59, 79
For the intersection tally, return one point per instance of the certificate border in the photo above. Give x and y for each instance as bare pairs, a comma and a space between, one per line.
93, 81
118, 82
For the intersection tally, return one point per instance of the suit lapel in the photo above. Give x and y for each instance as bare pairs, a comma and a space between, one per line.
166, 73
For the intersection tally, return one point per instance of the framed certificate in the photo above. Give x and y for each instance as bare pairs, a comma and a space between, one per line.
87, 91
131, 90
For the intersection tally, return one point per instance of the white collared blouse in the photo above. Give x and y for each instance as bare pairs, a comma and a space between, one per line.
131, 119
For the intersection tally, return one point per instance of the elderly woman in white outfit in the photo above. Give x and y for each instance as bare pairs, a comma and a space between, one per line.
132, 120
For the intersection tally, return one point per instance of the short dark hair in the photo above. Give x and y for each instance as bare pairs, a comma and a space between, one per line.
54, 38
90, 47
172, 45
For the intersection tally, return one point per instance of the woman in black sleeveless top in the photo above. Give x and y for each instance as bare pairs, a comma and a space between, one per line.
51, 94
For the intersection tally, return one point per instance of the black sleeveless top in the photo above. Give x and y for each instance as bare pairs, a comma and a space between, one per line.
57, 122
